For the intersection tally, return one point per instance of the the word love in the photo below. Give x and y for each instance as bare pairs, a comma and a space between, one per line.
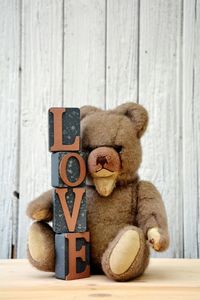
68, 172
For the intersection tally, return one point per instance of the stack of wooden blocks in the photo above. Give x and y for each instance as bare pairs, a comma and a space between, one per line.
69, 200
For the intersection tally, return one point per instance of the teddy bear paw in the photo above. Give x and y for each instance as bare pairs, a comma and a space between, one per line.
41, 209
127, 256
157, 240
41, 252
125, 252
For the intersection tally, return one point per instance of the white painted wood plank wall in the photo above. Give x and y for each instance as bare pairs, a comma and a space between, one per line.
159, 92
102, 53
41, 88
9, 122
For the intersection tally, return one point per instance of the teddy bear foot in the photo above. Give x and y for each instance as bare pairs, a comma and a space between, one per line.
41, 253
127, 256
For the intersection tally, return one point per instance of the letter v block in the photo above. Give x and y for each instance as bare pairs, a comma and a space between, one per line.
69, 210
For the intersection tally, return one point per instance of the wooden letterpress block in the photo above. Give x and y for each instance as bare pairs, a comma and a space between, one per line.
69, 210
72, 255
68, 169
64, 129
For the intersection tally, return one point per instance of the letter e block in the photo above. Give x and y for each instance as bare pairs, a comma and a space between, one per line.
72, 255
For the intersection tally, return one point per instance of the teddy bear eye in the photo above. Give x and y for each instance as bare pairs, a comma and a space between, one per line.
89, 148
118, 148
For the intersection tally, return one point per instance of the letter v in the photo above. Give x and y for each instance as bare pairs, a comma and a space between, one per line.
70, 219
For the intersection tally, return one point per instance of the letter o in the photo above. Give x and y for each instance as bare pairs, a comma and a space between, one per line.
63, 167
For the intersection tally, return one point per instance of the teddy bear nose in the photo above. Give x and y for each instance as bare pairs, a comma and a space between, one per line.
101, 160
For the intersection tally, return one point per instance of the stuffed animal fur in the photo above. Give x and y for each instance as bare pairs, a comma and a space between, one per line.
125, 215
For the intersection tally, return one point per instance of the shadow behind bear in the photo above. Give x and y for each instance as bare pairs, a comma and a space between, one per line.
125, 214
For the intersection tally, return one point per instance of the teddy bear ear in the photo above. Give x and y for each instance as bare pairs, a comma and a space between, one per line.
88, 110
138, 115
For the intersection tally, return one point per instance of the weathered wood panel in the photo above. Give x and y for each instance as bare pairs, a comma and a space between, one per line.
42, 32
84, 53
101, 53
9, 122
121, 51
191, 127
160, 92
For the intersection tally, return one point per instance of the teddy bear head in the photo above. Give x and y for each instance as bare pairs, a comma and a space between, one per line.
112, 139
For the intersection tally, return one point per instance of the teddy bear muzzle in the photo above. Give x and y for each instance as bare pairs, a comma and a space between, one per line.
104, 166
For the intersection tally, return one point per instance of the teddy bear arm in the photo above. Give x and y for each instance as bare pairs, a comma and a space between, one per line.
151, 216
41, 208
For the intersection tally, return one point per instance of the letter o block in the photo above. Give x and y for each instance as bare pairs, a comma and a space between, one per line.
68, 169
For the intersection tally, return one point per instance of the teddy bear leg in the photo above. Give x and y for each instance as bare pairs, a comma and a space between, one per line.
41, 252
127, 256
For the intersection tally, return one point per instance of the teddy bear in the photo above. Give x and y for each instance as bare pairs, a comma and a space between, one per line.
125, 215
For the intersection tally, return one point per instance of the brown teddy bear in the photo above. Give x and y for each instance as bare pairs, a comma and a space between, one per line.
125, 214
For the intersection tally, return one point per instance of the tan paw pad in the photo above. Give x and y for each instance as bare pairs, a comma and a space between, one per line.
37, 245
125, 252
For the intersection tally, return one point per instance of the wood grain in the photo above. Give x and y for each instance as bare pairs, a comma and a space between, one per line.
84, 53
9, 123
121, 52
164, 279
160, 73
191, 127
42, 31
103, 53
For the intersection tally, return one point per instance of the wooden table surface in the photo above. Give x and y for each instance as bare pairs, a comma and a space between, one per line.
164, 279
